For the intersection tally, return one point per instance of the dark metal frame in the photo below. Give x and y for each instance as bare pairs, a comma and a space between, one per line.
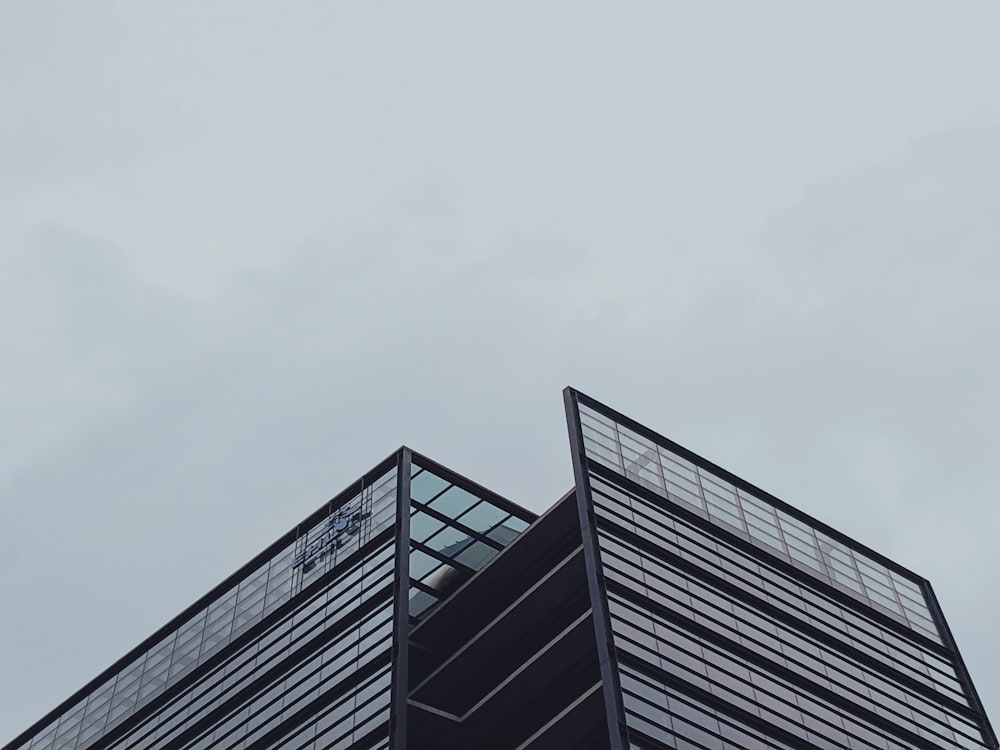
401, 614
776, 612
184, 683
406, 460
948, 648
596, 585
470, 486
890, 623
403, 461
963, 673
711, 635
242, 572
471, 533
745, 485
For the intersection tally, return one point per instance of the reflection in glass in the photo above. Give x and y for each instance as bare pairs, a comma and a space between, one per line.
425, 486
420, 601
476, 555
454, 502
626, 452
421, 564
449, 541
482, 517
423, 525
505, 533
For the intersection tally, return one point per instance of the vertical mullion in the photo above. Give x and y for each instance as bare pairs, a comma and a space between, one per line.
958, 664
401, 591
614, 709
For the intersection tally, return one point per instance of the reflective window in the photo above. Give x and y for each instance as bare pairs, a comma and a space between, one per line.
453, 533
476, 555
318, 550
421, 563
423, 525
482, 517
425, 486
695, 610
654, 523
506, 532
661, 470
449, 541
454, 502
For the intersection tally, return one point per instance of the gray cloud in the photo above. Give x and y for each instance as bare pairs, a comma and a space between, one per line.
247, 253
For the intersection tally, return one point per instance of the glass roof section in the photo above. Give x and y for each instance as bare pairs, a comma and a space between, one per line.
453, 533
755, 518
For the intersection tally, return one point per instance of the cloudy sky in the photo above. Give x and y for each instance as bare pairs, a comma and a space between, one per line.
249, 249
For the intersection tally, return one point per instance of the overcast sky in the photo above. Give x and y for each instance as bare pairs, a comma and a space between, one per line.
248, 249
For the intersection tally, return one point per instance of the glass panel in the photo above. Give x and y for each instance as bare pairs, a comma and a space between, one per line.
450, 541
420, 601
423, 525
476, 555
604, 440
482, 517
762, 584
454, 502
421, 564
259, 592
424, 486
506, 532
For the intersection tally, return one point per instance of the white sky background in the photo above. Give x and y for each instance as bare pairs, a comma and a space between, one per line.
248, 249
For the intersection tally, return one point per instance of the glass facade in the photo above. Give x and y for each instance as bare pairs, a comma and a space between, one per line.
739, 623
758, 520
662, 604
453, 533
251, 626
298, 649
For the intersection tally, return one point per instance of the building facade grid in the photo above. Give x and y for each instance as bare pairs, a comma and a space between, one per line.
662, 604
755, 618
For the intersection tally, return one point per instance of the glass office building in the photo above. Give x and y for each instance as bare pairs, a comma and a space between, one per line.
661, 603
734, 621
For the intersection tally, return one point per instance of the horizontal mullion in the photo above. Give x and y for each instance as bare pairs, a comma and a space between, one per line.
277, 630
449, 521
697, 522
808, 684
825, 670
739, 594
442, 557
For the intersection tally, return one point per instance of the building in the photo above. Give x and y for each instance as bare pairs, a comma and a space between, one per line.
661, 603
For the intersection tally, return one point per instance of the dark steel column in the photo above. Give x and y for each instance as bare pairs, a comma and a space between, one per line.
614, 710
956, 659
401, 614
